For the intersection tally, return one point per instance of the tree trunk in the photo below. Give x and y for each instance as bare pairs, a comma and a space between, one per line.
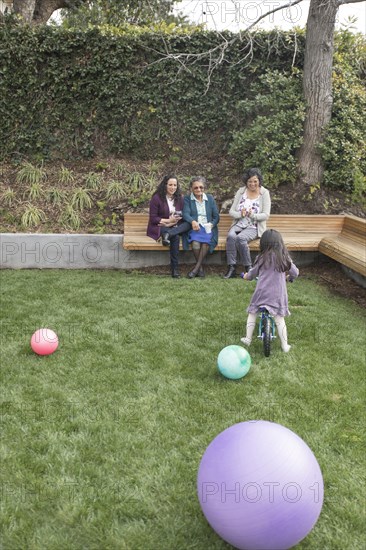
45, 8
25, 9
38, 12
317, 86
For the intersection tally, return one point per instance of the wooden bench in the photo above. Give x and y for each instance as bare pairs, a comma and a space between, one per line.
349, 246
341, 237
300, 232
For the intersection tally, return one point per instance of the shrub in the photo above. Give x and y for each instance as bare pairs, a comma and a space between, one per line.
55, 196
344, 148
32, 216
66, 176
8, 196
93, 181
272, 121
69, 218
116, 190
30, 174
81, 199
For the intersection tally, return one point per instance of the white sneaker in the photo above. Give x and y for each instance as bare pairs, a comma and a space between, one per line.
286, 348
246, 341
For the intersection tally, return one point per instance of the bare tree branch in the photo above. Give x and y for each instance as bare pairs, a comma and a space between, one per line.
270, 12
216, 55
341, 2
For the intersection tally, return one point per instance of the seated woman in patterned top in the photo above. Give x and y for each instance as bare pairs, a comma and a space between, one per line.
250, 211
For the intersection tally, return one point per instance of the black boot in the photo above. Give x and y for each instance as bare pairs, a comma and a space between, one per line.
175, 273
231, 272
165, 239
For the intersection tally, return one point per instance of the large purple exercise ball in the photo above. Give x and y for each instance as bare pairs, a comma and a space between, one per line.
260, 486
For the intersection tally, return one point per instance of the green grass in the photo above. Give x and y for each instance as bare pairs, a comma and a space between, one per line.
102, 440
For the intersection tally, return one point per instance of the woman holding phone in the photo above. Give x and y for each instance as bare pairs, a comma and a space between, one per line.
165, 218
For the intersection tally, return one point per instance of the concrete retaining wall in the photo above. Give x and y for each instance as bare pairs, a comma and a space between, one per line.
86, 251
71, 251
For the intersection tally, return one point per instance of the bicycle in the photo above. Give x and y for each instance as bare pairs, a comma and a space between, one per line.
267, 325
266, 330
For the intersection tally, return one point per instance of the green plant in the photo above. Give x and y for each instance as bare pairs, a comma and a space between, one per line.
312, 192
107, 105
120, 170
135, 181
116, 190
66, 176
151, 183
344, 147
156, 167
70, 218
101, 166
35, 191
55, 196
359, 188
137, 201
8, 196
81, 199
99, 223
30, 174
271, 119
32, 216
93, 181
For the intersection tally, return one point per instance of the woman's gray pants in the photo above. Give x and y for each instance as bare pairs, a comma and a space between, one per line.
237, 245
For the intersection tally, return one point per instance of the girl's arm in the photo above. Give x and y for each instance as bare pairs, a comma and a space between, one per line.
252, 273
293, 272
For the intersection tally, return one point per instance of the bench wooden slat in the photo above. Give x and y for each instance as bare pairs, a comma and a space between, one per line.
344, 251
300, 232
349, 247
341, 237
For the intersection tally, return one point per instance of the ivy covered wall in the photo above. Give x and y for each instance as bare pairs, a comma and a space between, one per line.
71, 93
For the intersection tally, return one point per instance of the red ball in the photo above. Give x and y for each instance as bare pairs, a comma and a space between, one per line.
44, 341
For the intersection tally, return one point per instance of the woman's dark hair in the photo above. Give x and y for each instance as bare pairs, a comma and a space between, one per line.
273, 249
251, 173
161, 189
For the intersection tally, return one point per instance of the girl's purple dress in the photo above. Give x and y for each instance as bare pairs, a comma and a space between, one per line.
271, 290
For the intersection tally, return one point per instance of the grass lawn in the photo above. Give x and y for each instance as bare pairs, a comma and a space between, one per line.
102, 440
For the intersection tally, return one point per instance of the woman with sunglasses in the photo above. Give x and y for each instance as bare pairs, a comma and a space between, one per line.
165, 218
201, 212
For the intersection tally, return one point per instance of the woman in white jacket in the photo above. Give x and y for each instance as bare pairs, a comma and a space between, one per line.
250, 211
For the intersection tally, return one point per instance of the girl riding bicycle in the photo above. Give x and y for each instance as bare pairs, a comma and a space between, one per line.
272, 266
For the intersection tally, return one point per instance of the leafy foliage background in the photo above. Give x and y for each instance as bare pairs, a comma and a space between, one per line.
68, 94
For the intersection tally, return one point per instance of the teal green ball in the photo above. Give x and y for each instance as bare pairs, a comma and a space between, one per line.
234, 362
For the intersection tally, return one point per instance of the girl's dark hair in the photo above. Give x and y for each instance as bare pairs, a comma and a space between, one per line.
272, 249
161, 189
251, 173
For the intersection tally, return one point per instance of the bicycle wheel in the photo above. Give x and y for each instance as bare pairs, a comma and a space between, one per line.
267, 331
